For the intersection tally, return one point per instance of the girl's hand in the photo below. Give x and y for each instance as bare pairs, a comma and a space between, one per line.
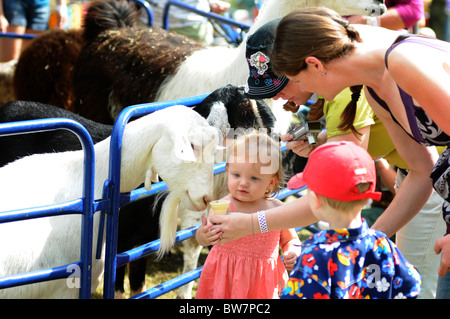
205, 235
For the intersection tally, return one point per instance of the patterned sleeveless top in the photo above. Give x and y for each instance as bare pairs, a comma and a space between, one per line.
423, 129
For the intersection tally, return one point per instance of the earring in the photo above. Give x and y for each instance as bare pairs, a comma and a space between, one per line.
323, 74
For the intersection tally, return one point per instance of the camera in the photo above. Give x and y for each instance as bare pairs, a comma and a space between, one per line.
307, 131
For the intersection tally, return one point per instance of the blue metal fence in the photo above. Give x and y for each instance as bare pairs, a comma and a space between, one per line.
222, 24
84, 206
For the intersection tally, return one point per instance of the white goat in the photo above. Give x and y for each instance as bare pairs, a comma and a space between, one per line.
176, 143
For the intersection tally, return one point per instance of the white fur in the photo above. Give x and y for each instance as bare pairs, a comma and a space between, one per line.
157, 143
210, 68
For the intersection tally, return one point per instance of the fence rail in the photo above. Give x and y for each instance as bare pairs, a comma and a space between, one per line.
84, 206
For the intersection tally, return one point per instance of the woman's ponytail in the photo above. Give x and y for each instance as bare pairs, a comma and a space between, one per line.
349, 113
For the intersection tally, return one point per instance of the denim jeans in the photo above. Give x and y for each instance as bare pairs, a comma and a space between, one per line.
443, 287
25, 13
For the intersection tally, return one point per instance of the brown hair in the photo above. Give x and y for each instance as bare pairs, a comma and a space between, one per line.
318, 32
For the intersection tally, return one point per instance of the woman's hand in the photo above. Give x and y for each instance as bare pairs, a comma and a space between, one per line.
443, 245
300, 147
233, 226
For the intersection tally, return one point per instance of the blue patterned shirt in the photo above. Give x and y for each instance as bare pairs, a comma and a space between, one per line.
353, 264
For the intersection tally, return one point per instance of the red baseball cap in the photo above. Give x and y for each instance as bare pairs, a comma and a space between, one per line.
335, 169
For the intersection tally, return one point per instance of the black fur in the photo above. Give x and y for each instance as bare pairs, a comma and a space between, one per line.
239, 108
17, 146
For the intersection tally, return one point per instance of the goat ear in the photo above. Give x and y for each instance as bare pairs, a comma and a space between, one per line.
183, 149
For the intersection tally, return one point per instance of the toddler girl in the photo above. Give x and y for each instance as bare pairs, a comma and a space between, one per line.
249, 267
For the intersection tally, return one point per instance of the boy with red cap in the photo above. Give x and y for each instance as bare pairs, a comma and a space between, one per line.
349, 260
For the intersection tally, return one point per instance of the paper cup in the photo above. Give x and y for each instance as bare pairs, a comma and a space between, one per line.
219, 206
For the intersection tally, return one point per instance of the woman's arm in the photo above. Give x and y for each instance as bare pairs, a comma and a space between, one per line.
403, 15
416, 188
443, 246
290, 215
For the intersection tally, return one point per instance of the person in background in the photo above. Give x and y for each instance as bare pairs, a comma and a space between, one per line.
25, 16
189, 23
400, 14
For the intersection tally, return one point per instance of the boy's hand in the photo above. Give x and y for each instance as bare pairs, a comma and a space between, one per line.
289, 259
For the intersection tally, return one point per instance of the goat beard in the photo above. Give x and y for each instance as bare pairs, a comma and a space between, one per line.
168, 222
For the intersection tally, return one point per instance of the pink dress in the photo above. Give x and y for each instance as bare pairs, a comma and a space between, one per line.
247, 268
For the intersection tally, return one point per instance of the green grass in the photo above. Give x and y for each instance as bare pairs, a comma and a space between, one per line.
157, 272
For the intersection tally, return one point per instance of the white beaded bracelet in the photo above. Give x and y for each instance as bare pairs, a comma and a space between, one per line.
372, 21
262, 221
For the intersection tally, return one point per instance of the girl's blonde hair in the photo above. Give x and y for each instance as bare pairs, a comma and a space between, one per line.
259, 147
